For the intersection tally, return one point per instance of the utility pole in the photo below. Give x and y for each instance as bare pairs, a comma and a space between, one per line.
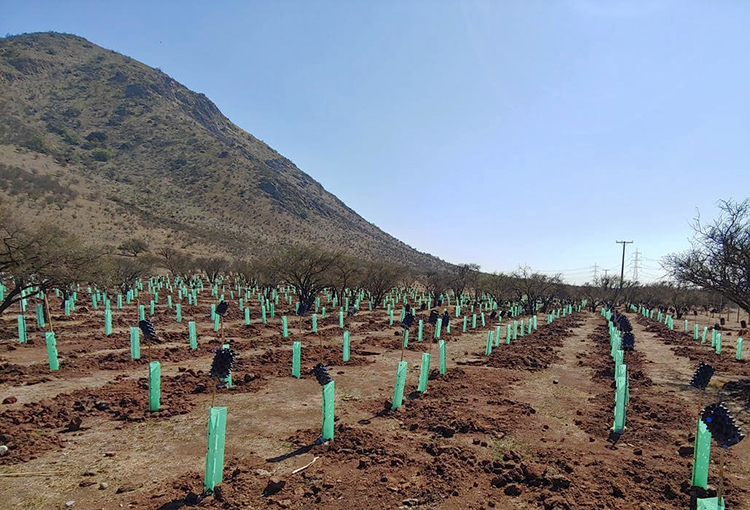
635, 265
595, 268
622, 269
605, 273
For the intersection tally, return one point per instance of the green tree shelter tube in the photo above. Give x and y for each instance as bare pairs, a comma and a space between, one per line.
21, 329
296, 358
51, 342
398, 390
424, 372
193, 335
346, 353
701, 455
154, 385
441, 348
135, 343
217, 427
718, 343
329, 391
107, 322
739, 348
40, 316
619, 425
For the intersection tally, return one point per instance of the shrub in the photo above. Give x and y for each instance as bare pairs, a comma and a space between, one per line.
72, 112
96, 136
101, 155
36, 143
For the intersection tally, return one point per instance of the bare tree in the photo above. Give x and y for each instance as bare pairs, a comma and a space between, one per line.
674, 295
630, 291
267, 276
176, 262
380, 278
408, 281
133, 247
307, 268
532, 288
40, 259
122, 272
247, 271
498, 285
599, 291
213, 267
344, 272
436, 283
462, 275
166, 253
719, 257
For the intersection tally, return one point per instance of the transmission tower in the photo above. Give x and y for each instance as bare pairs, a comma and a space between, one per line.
635, 265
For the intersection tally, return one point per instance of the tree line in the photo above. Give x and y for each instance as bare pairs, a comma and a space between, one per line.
712, 274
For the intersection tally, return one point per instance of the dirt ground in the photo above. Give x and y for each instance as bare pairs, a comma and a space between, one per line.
523, 428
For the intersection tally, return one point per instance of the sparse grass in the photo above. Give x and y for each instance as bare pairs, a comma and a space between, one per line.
509, 443
34, 503
286, 445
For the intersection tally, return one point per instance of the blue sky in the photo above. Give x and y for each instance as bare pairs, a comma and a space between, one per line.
535, 132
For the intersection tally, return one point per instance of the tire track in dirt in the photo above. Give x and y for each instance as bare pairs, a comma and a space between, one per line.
672, 373
639, 472
574, 417
573, 422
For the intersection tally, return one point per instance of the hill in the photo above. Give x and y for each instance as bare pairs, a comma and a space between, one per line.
114, 149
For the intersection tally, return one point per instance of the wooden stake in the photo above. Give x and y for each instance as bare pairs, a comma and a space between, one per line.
720, 491
429, 349
49, 314
321, 348
402, 345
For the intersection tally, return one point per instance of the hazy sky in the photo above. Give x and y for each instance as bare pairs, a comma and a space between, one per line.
496, 132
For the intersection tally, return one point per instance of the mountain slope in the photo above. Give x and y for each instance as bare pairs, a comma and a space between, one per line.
116, 148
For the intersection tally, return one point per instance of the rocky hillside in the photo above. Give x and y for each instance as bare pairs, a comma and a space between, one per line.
115, 148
